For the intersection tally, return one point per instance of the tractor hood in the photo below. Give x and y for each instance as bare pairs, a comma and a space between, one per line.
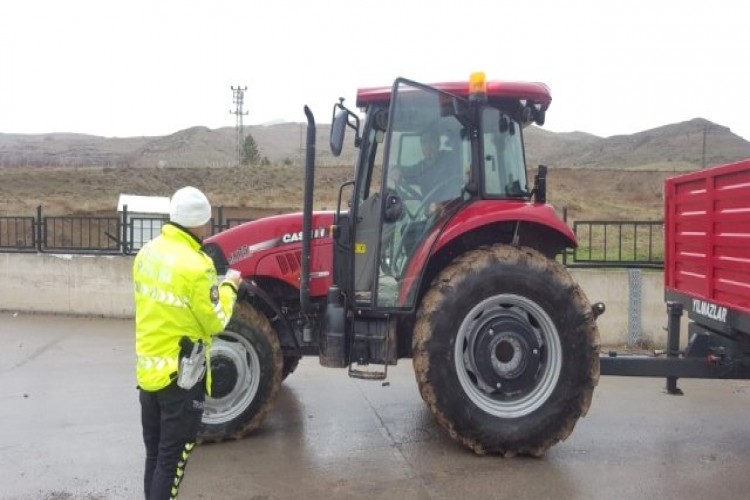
271, 247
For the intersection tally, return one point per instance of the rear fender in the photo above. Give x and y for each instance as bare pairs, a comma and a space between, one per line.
487, 222
489, 213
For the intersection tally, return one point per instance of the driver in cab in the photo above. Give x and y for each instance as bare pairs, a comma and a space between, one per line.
436, 175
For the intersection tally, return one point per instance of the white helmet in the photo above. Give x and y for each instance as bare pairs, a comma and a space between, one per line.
189, 207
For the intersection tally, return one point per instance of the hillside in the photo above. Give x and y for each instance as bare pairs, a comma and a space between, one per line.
592, 194
618, 178
677, 146
192, 147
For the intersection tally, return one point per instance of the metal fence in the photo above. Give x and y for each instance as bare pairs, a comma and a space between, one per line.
121, 234
617, 244
80, 234
600, 243
18, 234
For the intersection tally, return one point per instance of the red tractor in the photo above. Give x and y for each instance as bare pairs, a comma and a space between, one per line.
439, 250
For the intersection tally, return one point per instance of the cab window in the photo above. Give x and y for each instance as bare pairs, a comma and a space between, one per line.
504, 166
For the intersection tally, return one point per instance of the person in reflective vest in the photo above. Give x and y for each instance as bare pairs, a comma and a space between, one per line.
179, 307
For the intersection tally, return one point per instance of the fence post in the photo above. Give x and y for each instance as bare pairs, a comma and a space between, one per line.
38, 228
635, 292
124, 238
219, 223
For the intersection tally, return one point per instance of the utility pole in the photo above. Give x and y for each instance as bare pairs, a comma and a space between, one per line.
703, 151
238, 99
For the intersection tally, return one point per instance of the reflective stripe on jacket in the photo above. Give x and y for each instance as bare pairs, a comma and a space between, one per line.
176, 295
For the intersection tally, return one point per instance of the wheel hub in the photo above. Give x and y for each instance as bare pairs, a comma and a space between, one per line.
223, 376
506, 353
235, 374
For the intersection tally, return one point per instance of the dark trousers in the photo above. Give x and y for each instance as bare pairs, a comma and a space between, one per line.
170, 419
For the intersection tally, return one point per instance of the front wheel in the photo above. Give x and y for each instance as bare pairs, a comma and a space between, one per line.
246, 371
506, 351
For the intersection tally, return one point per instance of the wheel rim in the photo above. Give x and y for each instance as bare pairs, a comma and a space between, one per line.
508, 356
236, 379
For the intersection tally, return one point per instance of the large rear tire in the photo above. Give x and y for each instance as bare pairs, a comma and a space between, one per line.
246, 368
506, 351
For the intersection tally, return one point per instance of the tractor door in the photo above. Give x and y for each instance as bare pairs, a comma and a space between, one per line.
424, 171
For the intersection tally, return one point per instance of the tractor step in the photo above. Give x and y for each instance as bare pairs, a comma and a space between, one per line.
368, 374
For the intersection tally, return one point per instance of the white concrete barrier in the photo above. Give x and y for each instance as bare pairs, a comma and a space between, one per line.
67, 284
101, 286
612, 287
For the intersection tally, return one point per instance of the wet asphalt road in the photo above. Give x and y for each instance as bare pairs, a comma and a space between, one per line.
70, 430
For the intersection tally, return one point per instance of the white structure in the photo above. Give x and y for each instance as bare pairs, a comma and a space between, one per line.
145, 216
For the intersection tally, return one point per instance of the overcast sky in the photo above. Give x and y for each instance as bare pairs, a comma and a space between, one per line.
153, 67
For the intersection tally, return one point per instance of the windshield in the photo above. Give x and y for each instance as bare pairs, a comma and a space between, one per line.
504, 166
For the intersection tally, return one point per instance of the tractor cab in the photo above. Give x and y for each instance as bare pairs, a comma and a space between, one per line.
425, 153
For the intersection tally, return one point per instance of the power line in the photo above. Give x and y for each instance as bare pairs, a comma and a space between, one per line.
238, 99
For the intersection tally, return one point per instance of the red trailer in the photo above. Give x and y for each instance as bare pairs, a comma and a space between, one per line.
708, 245
706, 273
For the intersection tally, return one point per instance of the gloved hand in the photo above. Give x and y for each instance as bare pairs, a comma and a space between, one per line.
234, 277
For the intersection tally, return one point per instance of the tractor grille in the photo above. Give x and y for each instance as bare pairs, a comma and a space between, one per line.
290, 262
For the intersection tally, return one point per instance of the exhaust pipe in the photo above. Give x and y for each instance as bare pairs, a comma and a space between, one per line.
304, 289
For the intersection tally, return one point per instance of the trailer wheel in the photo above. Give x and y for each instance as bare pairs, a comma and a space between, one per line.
246, 368
506, 351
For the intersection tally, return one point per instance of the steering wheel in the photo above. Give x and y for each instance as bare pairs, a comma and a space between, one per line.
397, 252
408, 192
453, 179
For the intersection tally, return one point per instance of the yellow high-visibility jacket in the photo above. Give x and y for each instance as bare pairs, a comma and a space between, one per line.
176, 295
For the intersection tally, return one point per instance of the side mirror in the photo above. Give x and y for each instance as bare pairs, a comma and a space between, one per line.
342, 118
338, 131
